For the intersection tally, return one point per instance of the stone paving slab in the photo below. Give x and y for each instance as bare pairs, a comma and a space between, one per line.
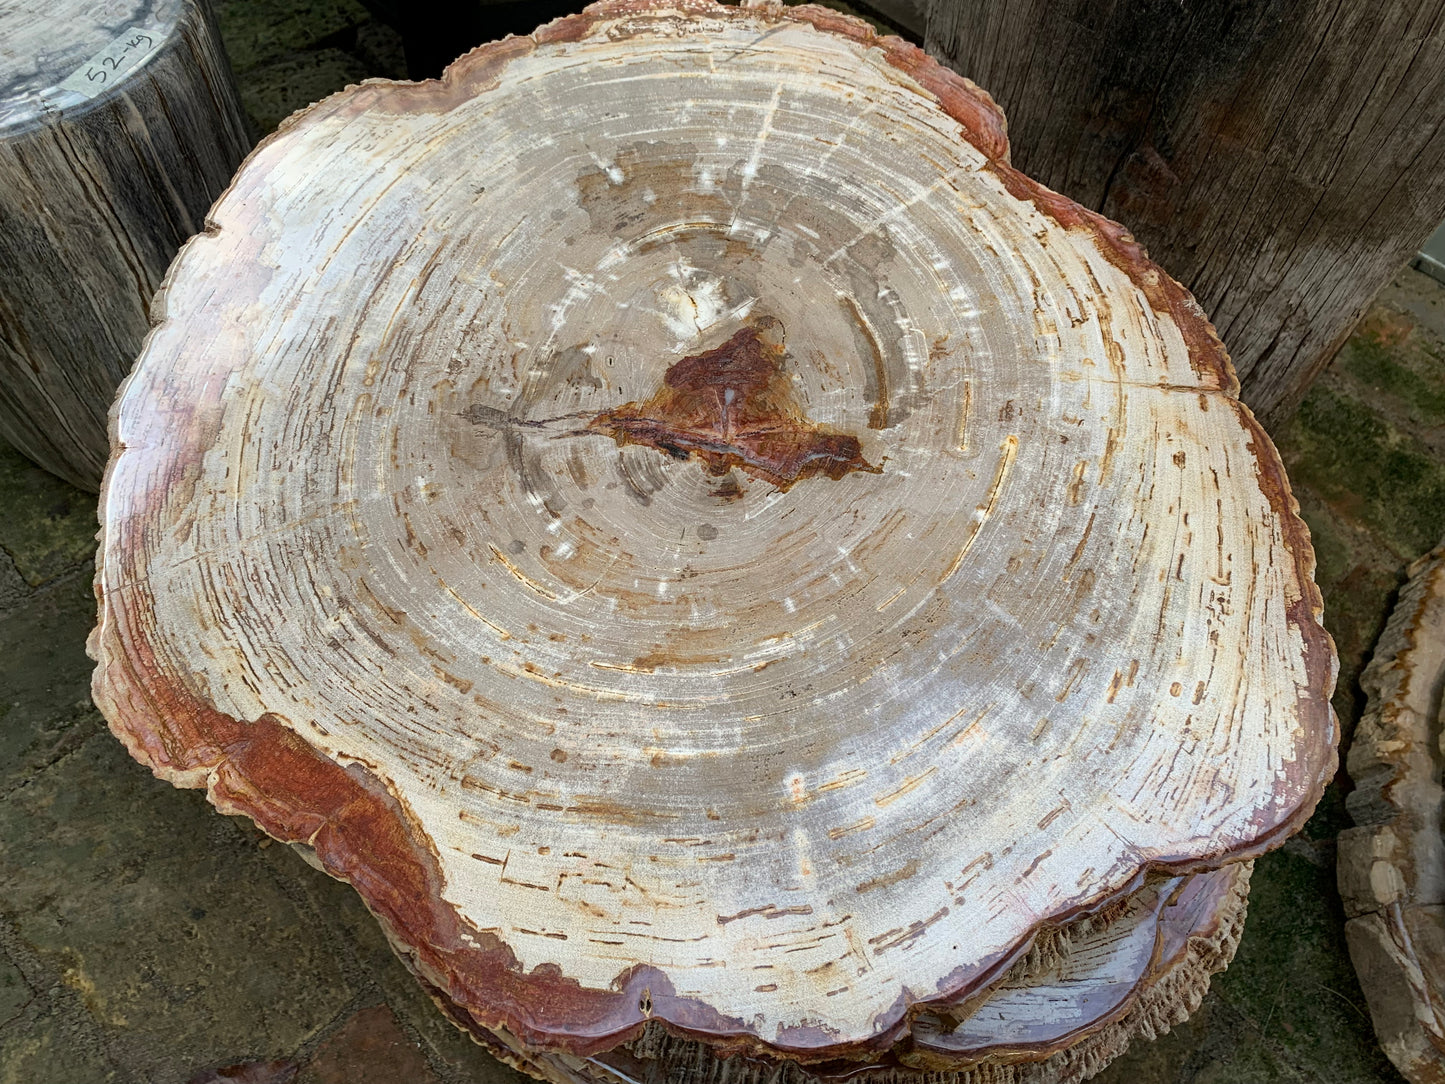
162, 917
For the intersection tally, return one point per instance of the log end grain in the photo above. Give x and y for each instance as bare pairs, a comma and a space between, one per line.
434, 540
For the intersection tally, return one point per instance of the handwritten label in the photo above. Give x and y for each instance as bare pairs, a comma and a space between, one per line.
112, 63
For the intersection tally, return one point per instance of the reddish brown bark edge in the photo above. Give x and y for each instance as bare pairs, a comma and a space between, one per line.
1197, 916
363, 835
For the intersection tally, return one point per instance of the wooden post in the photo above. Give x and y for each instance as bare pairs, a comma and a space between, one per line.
1281, 159
723, 563
119, 125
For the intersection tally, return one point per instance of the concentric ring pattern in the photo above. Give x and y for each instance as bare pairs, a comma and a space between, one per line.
801, 752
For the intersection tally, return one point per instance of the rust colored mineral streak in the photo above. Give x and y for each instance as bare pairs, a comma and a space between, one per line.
733, 406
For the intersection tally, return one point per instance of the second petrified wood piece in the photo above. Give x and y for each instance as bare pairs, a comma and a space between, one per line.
704, 546
1392, 867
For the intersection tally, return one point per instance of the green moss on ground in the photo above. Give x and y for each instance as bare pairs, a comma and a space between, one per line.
261, 32
1398, 364
1371, 471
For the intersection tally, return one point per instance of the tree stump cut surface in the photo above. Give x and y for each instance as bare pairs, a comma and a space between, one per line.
1283, 167
119, 124
1392, 867
694, 537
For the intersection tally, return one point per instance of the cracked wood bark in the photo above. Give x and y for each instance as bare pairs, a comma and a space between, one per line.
1392, 867
1281, 159
119, 124
697, 539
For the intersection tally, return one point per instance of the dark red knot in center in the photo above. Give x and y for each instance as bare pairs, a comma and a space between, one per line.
734, 406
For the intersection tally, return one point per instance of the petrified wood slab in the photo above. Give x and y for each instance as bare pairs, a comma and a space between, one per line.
695, 538
119, 124
1392, 867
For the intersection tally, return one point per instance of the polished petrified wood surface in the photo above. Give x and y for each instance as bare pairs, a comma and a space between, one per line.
695, 537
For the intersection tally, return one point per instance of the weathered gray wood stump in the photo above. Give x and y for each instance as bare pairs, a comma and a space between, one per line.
1283, 161
1392, 867
743, 582
119, 125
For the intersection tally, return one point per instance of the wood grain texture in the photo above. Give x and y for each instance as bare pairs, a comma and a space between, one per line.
1392, 867
615, 731
1281, 159
99, 186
